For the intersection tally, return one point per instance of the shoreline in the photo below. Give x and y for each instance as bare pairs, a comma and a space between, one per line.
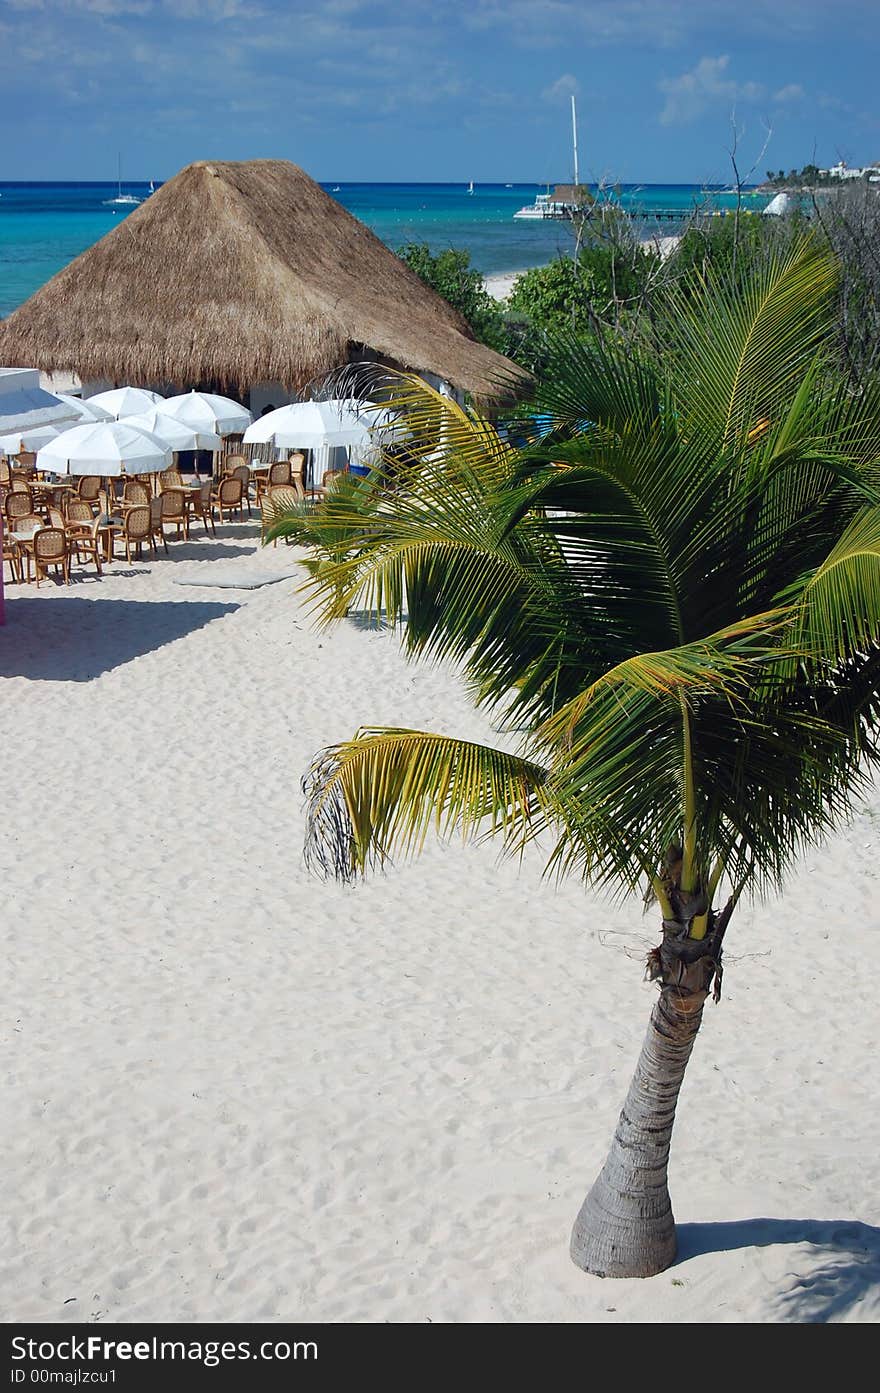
499, 284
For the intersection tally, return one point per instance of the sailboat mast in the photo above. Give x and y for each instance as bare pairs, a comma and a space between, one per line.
574, 139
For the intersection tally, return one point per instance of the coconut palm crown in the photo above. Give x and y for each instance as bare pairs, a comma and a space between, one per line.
670, 599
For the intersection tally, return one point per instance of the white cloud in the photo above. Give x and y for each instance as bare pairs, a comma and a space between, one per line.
688, 95
791, 92
564, 87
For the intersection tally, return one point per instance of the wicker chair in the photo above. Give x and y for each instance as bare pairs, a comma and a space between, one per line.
278, 472
228, 495
19, 484
330, 479
274, 501
156, 528
242, 471
27, 460
170, 479
55, 516
136, 494
50, 547
233, 462
19, 504
203, 506
83, 539
78, 511
90, 487
5, 471
137, 528
173, 503
12, 555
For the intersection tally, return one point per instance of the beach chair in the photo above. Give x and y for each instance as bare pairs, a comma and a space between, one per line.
19, 504
242, 472
135, 494
137, 528
330, 479
170, 479
50, 548
156, 521
228, 495
12, 556
274, 501
89, 488
82, 535
173, 510
26, 525
203, 506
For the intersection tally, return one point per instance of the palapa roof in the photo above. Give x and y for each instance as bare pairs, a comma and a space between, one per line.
572, 193
235, 274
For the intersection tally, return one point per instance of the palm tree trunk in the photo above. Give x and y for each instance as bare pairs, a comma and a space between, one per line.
625, 1226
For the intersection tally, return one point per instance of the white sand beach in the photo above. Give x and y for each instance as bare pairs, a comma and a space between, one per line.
233, 1092
501, 283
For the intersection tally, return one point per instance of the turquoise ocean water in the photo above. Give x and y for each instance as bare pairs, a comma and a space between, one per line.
44, 226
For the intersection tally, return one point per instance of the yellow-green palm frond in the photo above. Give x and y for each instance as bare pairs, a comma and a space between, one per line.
386, 789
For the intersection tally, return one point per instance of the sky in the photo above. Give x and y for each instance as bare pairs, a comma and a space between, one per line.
437, 90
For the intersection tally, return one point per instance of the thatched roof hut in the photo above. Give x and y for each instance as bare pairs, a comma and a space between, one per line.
235, 274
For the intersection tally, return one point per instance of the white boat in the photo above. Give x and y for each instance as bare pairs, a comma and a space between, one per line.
471, 186
336, 188
126, 200
545, 205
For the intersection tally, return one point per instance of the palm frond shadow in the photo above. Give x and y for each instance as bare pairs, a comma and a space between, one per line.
847, 1274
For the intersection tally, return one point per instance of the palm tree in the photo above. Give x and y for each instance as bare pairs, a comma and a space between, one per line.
673, 601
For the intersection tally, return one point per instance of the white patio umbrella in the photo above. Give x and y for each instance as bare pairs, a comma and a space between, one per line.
318, 426
176, 434
16, 441
309, 425
86, 411
107, 448
205, 411
125, 401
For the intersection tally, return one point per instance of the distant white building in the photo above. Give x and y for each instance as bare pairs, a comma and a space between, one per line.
843, 171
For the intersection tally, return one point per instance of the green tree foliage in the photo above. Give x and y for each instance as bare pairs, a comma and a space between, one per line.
451, 274
582, 294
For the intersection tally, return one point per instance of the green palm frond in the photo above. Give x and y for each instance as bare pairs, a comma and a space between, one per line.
839, 604
749, 348
385, 789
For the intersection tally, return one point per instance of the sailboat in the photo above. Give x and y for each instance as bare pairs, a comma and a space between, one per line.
545, 205
471, 186
126, 200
